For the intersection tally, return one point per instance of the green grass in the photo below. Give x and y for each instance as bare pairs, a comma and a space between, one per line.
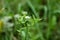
29, 20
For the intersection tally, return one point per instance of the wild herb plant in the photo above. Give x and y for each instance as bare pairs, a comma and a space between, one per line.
29, 19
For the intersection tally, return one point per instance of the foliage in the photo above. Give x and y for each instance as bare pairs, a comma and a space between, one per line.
29, 20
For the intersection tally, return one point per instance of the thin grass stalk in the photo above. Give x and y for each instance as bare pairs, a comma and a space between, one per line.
49, 18
27, 36
39, 31
45, 12
33, 9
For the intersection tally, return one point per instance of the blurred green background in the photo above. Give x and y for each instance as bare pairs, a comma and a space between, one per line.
29, 19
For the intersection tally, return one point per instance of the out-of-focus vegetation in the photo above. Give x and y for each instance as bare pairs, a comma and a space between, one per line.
29, 19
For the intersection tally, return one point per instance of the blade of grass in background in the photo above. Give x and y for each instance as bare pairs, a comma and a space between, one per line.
33, 9
49, 18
